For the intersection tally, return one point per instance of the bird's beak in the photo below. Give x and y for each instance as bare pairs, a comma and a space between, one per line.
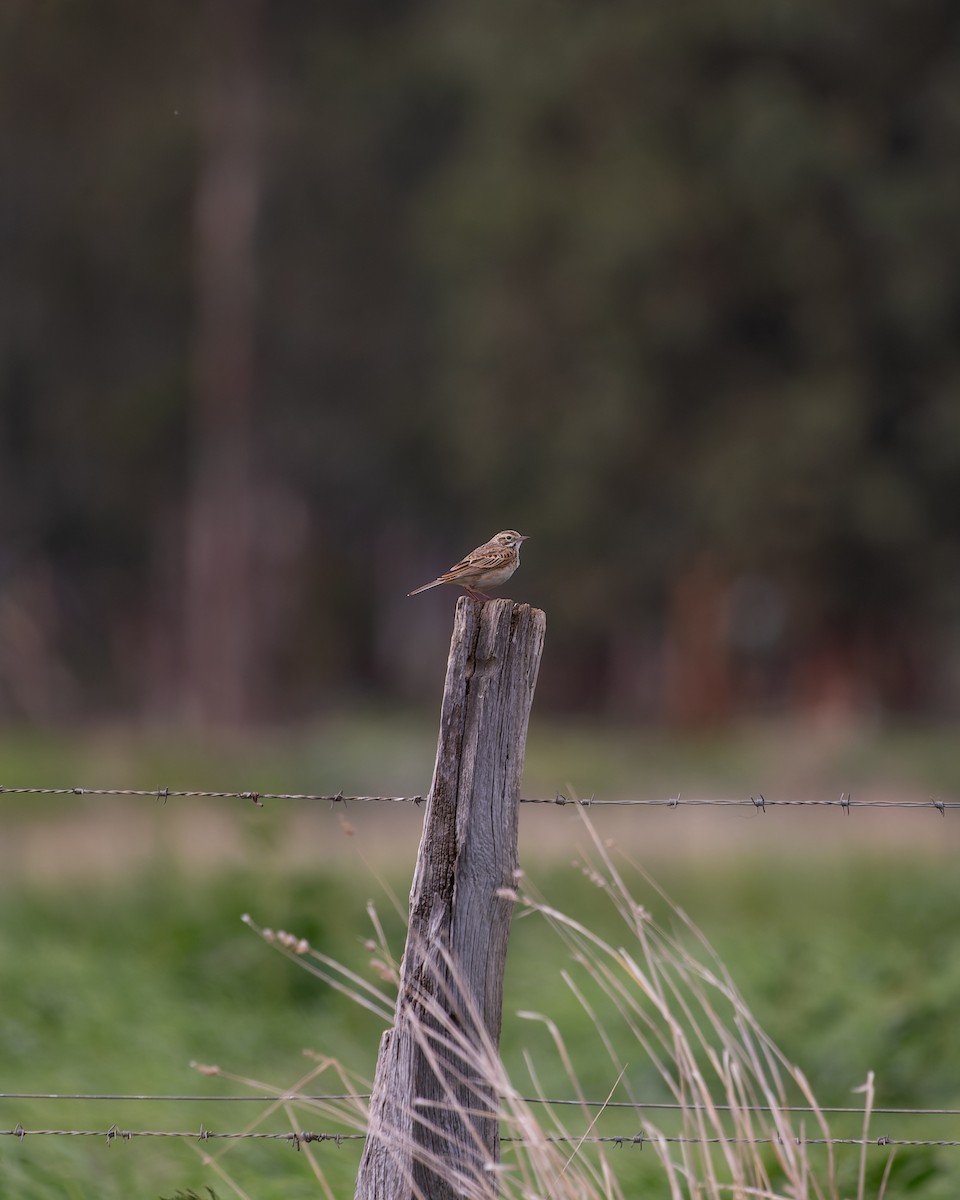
524, 537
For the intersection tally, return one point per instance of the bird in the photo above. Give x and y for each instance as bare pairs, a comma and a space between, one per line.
489, 566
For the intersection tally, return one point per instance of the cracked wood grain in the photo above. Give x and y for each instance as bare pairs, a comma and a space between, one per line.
424, 1114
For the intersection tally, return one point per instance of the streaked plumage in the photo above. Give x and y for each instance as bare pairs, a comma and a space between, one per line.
489, 566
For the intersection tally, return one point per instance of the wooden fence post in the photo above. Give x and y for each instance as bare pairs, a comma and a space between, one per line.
459, 925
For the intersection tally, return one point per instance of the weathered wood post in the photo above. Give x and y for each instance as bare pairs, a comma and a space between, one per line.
423, 1110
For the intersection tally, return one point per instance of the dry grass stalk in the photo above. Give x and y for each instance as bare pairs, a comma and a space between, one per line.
737, 1135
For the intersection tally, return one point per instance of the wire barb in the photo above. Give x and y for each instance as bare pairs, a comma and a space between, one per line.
115, 1132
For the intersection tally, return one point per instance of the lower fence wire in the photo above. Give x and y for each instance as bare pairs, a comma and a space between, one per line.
116, 1134
297, 1138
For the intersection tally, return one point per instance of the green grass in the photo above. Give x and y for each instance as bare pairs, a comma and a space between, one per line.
392, 752
117, 988
115, 976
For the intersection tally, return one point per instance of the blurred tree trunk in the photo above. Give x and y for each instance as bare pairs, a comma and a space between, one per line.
697, 687
221, 658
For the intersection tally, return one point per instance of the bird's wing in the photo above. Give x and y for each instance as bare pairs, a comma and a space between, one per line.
484, 558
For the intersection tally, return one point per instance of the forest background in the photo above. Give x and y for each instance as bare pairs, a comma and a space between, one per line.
301, 302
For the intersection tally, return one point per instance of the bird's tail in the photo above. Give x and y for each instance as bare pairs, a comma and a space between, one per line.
426, 587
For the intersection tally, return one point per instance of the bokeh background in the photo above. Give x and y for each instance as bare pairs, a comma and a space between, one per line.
299, 303
303, 302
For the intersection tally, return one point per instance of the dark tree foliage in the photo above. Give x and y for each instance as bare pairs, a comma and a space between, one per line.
673, 288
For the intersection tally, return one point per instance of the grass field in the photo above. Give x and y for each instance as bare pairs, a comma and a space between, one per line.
124, 957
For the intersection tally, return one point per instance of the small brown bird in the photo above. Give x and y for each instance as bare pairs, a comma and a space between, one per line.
489, 566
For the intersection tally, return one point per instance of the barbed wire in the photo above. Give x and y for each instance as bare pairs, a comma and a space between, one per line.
641, 1139
759, 803
633, 1105
302, 1137
115, 1133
